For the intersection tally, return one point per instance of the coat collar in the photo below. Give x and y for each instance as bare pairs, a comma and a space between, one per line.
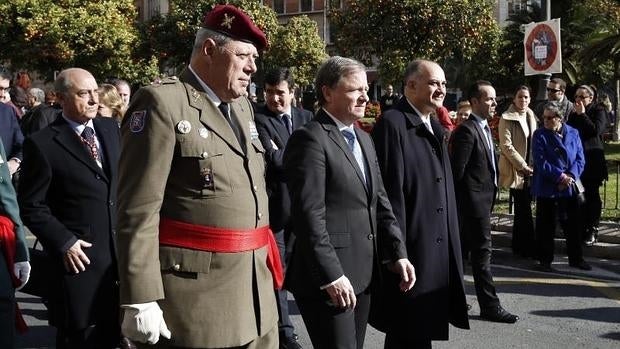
210, 115
334, 134
69, 139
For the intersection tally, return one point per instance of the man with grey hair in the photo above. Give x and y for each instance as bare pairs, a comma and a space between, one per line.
198, 263
343, 219
412, 152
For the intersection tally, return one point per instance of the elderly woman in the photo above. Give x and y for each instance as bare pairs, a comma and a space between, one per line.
516, 127
590, 120
558, 165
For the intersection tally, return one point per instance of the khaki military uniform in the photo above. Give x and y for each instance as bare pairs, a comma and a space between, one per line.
181, 160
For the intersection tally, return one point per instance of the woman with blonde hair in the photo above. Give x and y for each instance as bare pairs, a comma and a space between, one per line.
516, 127
110, 102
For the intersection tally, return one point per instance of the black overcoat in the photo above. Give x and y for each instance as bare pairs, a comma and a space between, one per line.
418, 180
63, 196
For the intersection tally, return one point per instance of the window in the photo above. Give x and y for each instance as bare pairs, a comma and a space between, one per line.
278, 6
306, 5
517, 6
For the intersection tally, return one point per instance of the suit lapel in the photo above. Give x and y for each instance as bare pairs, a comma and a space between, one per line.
334, 134
485, 145
415, 120
210, 115
109, 152
69, 140
366, 145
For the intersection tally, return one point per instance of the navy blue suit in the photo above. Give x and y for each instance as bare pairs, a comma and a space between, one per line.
10, 133
272, 129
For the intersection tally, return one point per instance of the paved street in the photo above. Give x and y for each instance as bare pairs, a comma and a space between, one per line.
568, 309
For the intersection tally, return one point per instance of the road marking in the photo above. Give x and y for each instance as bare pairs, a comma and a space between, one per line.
611, 289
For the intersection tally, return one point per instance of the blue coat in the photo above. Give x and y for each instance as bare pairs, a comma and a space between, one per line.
554, 155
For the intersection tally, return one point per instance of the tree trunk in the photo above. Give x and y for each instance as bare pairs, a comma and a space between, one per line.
616, 135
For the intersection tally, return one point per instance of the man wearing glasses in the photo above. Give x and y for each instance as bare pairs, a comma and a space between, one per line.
555, 93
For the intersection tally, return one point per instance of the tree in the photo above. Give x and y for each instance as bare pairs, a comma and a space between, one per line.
296, 44
394, 32
603, 45
50, 35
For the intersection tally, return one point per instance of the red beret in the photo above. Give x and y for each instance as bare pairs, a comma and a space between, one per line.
232, 22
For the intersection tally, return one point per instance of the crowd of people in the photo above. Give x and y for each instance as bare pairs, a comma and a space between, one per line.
182, 218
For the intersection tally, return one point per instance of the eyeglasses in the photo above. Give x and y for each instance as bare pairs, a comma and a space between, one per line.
4, 89
582, 96
553, 90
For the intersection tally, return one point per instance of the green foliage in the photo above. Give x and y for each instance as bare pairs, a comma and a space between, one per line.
298, 45
49, 35
393, 33
295, 45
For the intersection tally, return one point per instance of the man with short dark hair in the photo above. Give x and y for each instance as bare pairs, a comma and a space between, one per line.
556, 89
67, 198
275, 121
389, 98
10, 132
474, 167
343, 220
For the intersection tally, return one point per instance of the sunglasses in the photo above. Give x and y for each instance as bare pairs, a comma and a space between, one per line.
554, 90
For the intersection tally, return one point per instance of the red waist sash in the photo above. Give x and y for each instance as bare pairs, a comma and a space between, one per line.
7, 245
212, 239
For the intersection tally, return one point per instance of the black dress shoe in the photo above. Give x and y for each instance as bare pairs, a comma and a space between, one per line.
546, 267
498, 314
583, 265
290, 342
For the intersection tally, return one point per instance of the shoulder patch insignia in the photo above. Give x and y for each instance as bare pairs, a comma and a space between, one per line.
137, 121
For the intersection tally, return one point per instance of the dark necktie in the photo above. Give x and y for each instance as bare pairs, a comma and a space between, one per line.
88, 137
286, 119
225, 109
487, 132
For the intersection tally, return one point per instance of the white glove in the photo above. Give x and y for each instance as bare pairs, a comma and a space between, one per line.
144, 323
22, 272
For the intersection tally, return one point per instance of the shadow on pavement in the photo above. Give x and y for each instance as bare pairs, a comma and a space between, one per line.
608, 314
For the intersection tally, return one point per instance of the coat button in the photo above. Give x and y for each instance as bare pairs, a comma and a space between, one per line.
439, 240
439, 179
260, 215
97, 176
371, 236
204, 155
255, 188
113, 231
176, 267
440, 209
111, 203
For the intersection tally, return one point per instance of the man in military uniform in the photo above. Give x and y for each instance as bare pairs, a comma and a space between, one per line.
198, 263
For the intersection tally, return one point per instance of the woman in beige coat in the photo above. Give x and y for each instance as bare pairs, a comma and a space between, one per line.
516, 127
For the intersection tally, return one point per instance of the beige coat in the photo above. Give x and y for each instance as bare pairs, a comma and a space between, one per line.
514, 130
181, 160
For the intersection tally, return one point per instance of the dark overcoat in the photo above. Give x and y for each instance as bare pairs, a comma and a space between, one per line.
591, 127
64, 196
418, 180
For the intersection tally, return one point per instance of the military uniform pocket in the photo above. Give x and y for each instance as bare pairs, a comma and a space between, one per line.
177, 259
204, 168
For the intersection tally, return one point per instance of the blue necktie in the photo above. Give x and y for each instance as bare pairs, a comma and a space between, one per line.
355, 149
